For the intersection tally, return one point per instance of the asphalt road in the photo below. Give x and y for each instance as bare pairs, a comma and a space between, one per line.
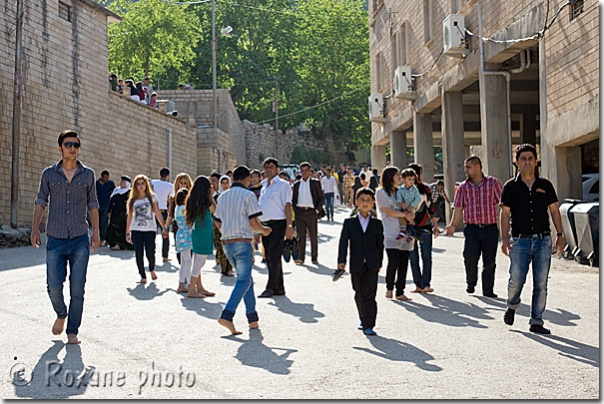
147, 341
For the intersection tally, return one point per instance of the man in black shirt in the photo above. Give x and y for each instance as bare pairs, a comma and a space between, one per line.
526, 200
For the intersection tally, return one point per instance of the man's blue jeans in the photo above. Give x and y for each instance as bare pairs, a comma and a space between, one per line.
241, 256
422, 278
58, 252
329, 205
522, 252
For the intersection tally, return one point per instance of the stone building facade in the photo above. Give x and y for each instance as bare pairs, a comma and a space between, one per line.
544, 89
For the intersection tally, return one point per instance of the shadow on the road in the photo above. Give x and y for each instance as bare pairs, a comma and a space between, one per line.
22, 257
120, 254
438, 250
560, 316
254, 353
203, 307
394, 350
52, 378
578, 351
447, 312
146, 291
319, 269
260, 267
305, 311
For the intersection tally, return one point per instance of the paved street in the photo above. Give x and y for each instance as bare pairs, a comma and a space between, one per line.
443, 345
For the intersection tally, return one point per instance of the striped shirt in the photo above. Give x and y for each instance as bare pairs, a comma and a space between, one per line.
479, 202
234, 209
273, 199
69, 201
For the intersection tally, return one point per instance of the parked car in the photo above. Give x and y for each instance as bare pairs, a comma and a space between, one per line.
591, 187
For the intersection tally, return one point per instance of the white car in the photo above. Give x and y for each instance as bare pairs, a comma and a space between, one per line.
591, 187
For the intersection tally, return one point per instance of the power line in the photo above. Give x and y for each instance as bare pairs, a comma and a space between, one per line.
316, 106
537, 36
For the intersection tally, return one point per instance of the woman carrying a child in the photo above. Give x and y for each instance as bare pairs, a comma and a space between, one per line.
397, 248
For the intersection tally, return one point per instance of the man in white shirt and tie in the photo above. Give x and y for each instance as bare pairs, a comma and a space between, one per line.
275, 203
307, 200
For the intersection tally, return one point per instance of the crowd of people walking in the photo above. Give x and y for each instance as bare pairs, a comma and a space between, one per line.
235, 214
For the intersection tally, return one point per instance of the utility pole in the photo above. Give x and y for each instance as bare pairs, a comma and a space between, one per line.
276, 104
14, 188
214, 103
276, 110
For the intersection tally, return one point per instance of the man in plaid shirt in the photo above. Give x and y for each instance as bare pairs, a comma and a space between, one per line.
477, 199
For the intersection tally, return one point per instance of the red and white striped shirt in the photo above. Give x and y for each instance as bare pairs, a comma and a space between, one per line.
479, 203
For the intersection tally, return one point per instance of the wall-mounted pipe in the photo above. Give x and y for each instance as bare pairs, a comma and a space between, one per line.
169, 148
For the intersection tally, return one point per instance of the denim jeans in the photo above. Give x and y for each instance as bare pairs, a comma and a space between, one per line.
522, 252
329, 205
103, 221
58, 252
241, 255
422, 278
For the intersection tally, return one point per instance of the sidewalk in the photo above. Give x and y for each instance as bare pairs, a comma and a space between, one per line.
443, 345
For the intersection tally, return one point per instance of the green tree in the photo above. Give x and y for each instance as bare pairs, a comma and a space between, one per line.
334, 60
153, 38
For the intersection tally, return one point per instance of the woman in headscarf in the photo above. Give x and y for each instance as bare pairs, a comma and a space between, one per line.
116, 231
226, 268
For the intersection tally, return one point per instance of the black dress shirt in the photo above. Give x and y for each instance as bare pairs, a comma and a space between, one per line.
528, 207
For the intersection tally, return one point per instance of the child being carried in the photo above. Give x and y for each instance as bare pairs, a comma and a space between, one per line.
408, 199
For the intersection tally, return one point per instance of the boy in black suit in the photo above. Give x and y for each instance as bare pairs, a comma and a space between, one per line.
365, 234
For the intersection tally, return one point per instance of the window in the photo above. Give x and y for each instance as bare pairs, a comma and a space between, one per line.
427, 22
576, 8
378, 71
64, 11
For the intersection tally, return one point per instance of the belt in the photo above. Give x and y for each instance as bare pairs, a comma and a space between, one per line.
236, 240
534, 235
267, 222
481, 225
304, 208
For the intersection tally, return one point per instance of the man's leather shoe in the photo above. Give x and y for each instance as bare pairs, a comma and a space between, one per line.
299, 262
287, 251
539, 329
266, 293
470, 289
369, 331
508, 317
279, 292
490, 294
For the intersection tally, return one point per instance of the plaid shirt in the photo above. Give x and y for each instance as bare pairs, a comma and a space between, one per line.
437, 193
69, 201
479, 203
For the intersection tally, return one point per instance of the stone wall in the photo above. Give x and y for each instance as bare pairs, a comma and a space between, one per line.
265, 142
65, 86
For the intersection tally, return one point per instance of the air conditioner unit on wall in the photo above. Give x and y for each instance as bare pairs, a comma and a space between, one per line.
376, 108
403, 83
454, 36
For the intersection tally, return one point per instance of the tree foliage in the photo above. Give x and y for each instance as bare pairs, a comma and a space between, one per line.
152, 38
317, 50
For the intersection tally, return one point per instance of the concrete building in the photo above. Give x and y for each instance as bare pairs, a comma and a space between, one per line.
535, 79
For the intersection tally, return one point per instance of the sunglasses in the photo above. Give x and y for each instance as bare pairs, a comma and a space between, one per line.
69, 145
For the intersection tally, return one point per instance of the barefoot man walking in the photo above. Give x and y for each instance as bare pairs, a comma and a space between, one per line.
236, 216
70, 187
